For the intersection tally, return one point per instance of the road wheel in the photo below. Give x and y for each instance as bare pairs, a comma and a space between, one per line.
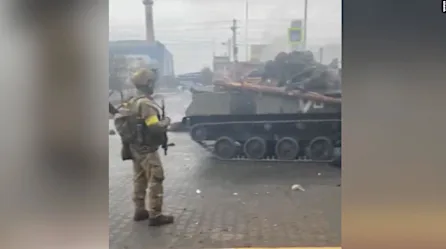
287, 148
255, 148
321, 149
198, 133
225, 148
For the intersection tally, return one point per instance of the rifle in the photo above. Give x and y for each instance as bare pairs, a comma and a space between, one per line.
166, 143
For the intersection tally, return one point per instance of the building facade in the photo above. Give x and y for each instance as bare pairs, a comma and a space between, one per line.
140, 53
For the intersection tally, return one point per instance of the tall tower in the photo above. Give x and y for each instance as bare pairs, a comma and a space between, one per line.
150, 33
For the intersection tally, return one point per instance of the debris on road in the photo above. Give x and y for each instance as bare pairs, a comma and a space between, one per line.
112, 132
297, 187
235, 194
198, 191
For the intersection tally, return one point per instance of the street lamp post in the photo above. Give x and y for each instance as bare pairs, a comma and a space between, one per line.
305, 25
246, 31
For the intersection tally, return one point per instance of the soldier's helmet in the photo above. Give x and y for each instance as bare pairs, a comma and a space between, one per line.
144, 77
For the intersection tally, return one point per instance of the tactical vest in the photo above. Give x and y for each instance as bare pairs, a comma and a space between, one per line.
147, 137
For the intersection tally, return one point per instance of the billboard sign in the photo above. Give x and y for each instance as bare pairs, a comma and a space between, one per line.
295, 36
295, 33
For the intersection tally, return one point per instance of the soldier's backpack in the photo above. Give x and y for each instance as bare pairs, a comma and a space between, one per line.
126, 121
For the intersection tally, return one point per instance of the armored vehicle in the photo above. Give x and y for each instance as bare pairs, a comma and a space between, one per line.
241, 121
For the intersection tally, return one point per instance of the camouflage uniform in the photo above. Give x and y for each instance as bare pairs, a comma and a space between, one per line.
147, 167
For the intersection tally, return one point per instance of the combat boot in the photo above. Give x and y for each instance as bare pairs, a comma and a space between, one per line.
141, 215
161, 220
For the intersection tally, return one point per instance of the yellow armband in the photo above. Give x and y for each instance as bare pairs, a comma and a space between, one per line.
152, 120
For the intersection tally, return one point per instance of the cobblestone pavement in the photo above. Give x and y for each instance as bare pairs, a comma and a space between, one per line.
228, 204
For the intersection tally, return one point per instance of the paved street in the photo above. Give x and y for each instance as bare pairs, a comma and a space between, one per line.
227, 204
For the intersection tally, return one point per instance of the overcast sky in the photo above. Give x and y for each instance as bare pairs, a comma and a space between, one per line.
194, 29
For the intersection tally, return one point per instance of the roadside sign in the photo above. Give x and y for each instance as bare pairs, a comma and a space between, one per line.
295, 36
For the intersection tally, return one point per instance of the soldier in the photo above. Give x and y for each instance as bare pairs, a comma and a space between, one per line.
315, 78
281, 63
308, 57
147, 166
270, 71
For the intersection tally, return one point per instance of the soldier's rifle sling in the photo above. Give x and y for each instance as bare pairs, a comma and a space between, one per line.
165, 144
163, 116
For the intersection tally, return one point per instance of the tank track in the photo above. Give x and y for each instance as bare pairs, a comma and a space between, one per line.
333, 133
267, 159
